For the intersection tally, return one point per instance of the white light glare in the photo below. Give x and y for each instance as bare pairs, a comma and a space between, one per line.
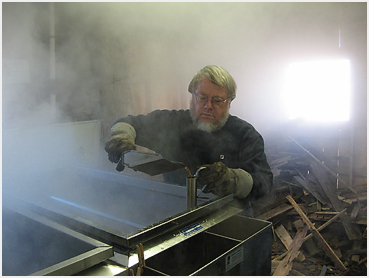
318, 91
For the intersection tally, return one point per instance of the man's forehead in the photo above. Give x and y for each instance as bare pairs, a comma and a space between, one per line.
205, 87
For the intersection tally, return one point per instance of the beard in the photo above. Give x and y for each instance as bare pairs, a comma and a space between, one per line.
208, 127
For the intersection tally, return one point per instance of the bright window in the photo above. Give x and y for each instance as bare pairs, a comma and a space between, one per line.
318, 91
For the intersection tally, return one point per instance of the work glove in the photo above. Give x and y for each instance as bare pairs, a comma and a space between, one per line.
221, 180
121, 139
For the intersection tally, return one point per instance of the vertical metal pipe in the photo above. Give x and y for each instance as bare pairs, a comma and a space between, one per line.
191, 192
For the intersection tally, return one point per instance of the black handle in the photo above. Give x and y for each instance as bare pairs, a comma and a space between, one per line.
120, 166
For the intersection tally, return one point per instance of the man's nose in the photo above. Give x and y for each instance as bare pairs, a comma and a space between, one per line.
209, 104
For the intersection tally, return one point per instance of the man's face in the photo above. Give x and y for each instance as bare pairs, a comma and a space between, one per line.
210, 105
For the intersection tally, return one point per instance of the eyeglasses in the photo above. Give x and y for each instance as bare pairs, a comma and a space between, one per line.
216, 101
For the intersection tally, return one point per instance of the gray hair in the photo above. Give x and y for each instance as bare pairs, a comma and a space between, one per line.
217, 75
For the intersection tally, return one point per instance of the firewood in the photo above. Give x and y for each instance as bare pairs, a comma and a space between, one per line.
286, 264
326, 168
274, 212
308, 242
286, 239
355, 211
313, 189
317, 235
352, 230
319, 229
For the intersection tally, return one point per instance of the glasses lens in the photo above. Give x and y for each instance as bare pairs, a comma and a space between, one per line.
201, 99
216, 102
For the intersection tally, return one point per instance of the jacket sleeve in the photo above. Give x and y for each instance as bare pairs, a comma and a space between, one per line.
152, 129
254, 161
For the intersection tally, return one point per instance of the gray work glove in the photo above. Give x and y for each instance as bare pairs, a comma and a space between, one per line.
121, 139
222, 181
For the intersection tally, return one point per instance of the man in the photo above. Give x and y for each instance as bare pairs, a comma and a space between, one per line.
205, 135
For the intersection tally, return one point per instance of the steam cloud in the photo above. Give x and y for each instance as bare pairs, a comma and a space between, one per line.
115, 59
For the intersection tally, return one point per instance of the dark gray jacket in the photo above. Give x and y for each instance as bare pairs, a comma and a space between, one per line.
172, 134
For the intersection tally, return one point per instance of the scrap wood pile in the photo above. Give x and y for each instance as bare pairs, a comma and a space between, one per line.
319, 219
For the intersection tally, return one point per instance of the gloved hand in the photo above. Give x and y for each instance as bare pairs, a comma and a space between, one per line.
222, 181
116, 146
121, 139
